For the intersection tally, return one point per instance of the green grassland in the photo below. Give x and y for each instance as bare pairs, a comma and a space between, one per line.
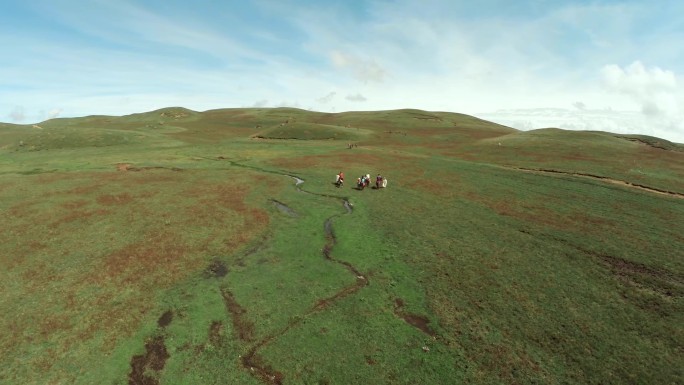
175, 247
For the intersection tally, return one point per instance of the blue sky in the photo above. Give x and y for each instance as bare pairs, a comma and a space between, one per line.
599, 65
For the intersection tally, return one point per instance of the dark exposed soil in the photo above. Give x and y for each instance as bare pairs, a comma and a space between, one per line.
264, 372
325, 302
415, 320
284, 208
658, 280
217, 269
145, 368
653, 142
128, 167
165, 319
216, 333
244, 329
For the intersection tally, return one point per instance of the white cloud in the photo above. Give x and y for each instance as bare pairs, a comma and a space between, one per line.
54, 113
656, 92
636, 79
356, 98
365, 70
285, 103
17, 114
609, 120
327, 98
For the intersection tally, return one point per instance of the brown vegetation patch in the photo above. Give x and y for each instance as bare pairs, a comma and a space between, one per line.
74, 205
159, 259
511, 366
145, 368
114, 199
87, 189
433, 186
212, 203
243, 328
54, 323
115, 317
79, 215
529, 214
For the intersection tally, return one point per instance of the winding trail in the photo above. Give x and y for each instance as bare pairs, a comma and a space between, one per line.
251, 361
604, 179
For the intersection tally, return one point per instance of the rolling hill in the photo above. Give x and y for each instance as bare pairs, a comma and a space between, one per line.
176, 247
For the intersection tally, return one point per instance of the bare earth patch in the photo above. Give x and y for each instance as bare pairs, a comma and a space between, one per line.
145, 368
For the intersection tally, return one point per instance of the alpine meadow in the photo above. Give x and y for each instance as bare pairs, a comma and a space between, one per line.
184, 247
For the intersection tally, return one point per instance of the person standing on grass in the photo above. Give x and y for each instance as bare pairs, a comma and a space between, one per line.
378, 181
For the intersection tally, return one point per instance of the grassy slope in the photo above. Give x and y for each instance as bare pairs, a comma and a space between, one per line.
520, 277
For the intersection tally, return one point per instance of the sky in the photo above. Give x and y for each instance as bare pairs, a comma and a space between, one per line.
587, 65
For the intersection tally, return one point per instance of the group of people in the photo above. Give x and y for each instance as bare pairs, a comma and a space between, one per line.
363, 181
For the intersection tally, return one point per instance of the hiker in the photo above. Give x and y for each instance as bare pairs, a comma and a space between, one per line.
378, 181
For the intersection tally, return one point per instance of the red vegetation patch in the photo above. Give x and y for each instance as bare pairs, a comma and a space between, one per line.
219, 204
433, 186
160, 259
79, 215
531, 214
74, 205
82, 190
114, 199
54, 323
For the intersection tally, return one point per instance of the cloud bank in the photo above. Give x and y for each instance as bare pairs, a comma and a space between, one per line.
577, 60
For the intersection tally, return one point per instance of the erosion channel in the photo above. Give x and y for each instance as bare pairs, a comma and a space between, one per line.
251, 361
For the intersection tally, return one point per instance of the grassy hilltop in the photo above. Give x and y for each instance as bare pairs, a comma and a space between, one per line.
175, 247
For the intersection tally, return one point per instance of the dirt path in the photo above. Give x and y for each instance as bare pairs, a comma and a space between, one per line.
604, 179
